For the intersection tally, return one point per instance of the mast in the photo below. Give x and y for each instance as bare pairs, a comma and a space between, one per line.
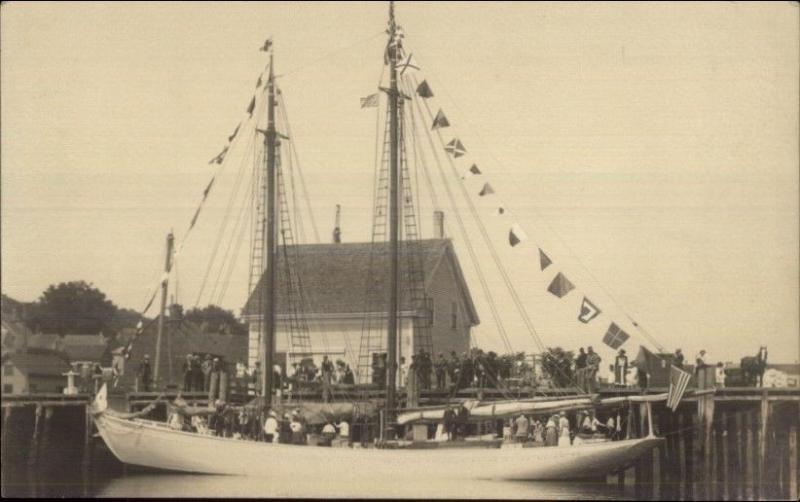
394, 217
164, 282
268, 293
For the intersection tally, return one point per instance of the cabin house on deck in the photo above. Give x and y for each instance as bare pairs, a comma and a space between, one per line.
334, 280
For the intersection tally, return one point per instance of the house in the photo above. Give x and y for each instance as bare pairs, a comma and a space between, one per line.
34, 371
180, 337
334, 280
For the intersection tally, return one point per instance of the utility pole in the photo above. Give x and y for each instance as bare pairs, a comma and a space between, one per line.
164, 283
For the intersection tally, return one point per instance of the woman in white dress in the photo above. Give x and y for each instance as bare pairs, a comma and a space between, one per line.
563, 429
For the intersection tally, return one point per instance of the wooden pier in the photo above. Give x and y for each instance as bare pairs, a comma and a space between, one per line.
733, 444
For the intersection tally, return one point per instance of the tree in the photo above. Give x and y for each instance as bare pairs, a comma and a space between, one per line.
214, 318
557, 365
72, 308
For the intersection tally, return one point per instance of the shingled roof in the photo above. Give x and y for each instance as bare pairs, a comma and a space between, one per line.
39, 362
334, 276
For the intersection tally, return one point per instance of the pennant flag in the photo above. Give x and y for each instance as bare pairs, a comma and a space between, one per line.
678, 381
424, 90
615, 337
370, 101
500, 211
516, 235
544, 260
406, 64
235, 132
486, 190
208, 188
560, 285
455, 148
440, 121
474, 170
220, 157
588, 311
267, 45
194, 218
251, 106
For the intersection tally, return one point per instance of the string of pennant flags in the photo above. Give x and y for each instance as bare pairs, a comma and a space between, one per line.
560, 286
218, 159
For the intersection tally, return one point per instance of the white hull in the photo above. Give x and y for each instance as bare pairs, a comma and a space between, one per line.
145, 443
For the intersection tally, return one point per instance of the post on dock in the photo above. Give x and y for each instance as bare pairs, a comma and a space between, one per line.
727, 465
682, 456
34, 448
87, 437
762, 443
794, 473
6, 423
749, 469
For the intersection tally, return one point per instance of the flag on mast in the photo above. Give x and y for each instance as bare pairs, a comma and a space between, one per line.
455, 148
370, 101
516, 235
560, 286
544, 260
424, 90
486, 190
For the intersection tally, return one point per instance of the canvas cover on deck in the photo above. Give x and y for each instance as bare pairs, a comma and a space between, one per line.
322, 413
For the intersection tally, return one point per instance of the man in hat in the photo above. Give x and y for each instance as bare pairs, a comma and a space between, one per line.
441, 372
145, 373
271, 427
207, 367
592, 366
187, 374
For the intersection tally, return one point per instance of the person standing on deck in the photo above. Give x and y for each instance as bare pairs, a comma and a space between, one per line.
327, 377
551, 431
441, 372
145, 374
521, 425
271, 427
719, 375
453, 369
621, 368
344, 431
349, 378
328, 434
207, 367
592, 366
412, 383
679, 359
402, 373
563, 426
580, 369
187, 373
449, 422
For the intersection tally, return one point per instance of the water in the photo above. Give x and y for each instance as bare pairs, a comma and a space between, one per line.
107, 478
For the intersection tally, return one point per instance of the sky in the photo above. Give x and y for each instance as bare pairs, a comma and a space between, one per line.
650, 149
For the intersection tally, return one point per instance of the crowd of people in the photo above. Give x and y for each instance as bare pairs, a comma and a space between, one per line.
249, 424
558, 430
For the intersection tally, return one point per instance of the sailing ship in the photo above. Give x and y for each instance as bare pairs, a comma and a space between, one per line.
138, 441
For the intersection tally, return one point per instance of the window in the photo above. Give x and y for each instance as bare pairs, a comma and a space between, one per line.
8, 389
8, 370
454, 316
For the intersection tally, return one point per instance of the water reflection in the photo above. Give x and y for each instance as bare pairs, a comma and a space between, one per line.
178, 485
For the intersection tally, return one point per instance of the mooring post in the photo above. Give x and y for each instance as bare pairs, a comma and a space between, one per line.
748, 458
698, 462
6, 423
739, 439
725, 469
34, 449
87, 437
762, 444
708, 443
682, 457
794, 473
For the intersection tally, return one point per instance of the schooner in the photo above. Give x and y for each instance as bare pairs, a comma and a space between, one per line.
147, 443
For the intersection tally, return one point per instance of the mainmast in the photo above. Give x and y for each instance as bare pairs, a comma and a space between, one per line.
270, 234
394, 216
163, 311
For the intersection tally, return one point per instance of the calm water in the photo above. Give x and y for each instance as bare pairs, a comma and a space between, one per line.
106, 478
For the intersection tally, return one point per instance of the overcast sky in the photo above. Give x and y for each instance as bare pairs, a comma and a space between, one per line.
650, 149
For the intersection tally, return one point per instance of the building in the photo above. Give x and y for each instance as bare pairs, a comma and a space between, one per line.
180, 337
35, 371
334, 280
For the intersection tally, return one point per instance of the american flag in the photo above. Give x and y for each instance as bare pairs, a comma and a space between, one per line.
678, 380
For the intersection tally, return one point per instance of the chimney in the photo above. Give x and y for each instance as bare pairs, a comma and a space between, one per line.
438, 224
